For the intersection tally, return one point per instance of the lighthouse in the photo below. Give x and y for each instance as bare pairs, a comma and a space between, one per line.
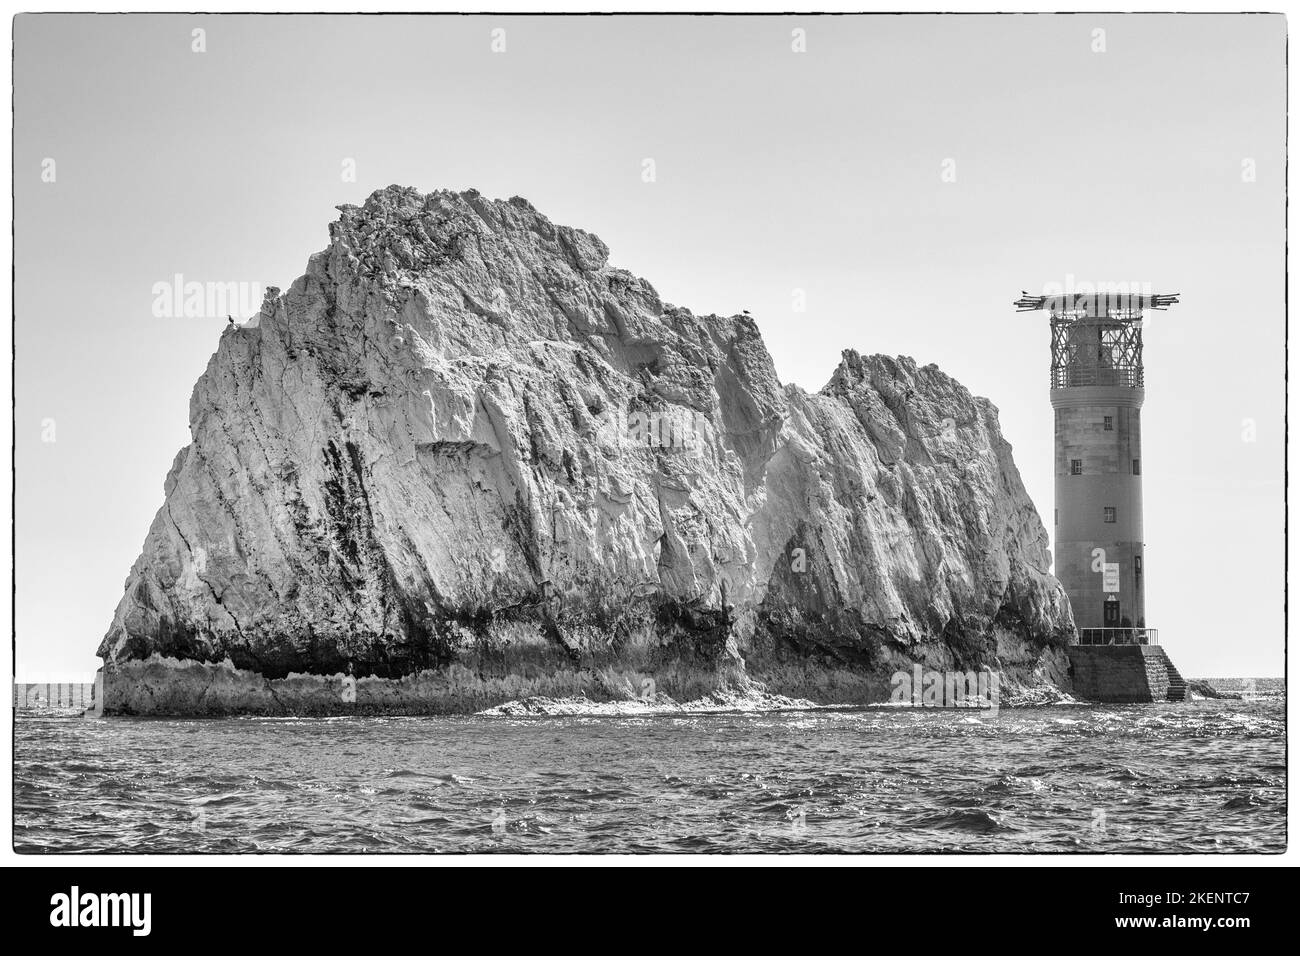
1097, 391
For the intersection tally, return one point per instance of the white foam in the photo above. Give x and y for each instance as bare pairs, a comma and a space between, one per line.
717, 702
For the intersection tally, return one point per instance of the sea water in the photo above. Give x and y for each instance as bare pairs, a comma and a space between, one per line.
1203, 776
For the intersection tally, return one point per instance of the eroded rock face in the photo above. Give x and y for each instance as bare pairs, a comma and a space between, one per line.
464, 460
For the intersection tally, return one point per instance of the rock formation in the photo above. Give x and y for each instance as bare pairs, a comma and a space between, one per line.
463, 460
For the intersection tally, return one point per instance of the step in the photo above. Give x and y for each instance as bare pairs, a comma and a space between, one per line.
1178, 690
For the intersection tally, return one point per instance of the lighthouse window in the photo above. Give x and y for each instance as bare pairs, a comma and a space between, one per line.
1137, 466
1108, 515
1137, 566
1076, 466
1108, 423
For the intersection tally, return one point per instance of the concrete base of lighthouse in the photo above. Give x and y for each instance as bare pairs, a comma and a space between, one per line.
1125, 674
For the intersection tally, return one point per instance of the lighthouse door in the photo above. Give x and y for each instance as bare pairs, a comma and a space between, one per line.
1110, 613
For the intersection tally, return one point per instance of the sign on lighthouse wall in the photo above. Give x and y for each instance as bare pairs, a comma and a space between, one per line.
1110, 578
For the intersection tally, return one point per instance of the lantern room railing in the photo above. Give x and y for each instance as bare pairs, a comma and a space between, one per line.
1075, 376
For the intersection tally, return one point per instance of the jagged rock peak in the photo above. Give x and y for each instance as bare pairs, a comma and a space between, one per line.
400, 228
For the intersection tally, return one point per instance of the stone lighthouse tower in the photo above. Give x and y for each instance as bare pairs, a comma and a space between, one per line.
1097, 391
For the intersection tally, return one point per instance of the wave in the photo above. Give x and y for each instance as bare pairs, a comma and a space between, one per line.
968, 821
721, 701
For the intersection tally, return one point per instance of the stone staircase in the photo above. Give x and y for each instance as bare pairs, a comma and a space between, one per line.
1178, 689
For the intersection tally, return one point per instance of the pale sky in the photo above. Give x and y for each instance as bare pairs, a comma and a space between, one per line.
776, 171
